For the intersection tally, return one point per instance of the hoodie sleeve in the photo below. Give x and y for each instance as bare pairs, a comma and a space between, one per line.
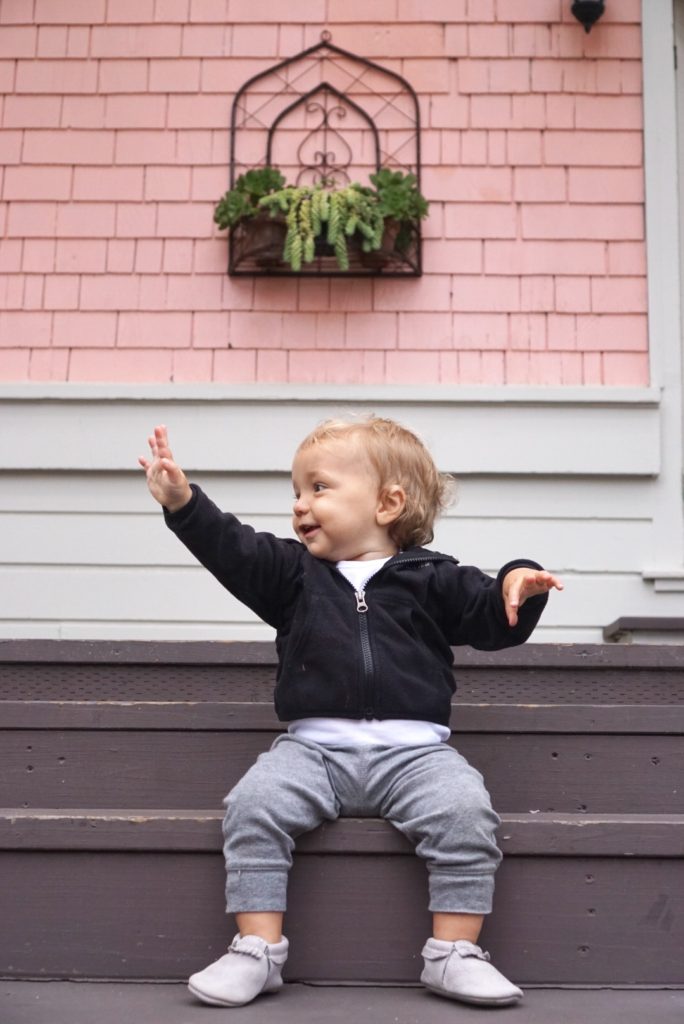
259, 569
473, 608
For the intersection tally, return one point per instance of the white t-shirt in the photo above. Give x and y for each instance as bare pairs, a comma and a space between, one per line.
375, 732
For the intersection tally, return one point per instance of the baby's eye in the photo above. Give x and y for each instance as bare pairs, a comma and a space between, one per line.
318, 487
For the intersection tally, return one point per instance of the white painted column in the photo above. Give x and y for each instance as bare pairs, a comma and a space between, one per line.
664, 297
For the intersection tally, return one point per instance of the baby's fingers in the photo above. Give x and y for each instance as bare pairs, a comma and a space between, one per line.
512, 603
161, 440
541, 582
174, 472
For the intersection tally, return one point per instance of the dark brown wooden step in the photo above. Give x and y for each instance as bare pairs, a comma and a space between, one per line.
580, 899
100, 882
533, 673
578, 728
207, 652
522, 835
160, 754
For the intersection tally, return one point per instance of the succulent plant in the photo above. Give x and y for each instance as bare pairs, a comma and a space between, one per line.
243, 199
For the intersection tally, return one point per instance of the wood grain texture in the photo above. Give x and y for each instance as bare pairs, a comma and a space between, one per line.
206, 652
195, 769
173, 831
557, 920
41, 1002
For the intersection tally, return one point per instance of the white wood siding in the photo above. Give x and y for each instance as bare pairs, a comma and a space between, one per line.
84, 552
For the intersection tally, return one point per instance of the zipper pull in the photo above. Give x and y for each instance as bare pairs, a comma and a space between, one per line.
361, 605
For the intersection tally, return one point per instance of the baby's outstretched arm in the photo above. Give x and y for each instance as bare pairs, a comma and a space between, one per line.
519, 584
167, 481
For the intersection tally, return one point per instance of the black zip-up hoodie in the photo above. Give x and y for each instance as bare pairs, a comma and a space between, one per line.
383, 654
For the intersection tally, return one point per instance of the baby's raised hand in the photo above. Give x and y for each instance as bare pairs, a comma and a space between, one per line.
521, 583
167, 481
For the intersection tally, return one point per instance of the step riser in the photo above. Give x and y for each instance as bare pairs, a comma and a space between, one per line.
359, 917
594, 773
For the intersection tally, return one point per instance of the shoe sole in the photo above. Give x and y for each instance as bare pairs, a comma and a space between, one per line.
474, 1000
212, 1001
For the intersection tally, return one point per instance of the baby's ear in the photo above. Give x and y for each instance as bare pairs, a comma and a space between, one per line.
391, 503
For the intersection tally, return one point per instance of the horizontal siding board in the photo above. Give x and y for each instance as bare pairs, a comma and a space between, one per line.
149, 630
101, 594
125, 492
550, 437
191, 596
553, 496
103, 540
519, 496
42, 539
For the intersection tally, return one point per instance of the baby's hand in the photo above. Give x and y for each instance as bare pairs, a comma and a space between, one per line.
521, 583
166, 481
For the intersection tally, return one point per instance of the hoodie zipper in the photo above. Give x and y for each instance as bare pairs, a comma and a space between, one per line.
364, 634
366, 652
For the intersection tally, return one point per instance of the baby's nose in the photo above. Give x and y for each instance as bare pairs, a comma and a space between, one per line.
300, 506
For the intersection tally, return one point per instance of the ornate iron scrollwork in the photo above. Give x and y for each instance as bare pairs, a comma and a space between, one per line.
325, 116
324, 166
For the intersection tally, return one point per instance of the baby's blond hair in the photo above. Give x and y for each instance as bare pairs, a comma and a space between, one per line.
398, 457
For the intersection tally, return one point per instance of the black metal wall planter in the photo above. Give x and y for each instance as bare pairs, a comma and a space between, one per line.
324, 170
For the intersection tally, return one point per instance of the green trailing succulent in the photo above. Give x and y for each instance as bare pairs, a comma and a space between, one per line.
313, 213
242, 200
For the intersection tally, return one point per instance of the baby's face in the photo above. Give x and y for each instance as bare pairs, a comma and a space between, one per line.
337, 499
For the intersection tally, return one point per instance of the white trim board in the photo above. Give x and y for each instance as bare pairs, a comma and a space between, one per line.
317, 393
254, 433
663, 204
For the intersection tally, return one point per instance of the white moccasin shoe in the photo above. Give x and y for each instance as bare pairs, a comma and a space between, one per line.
251, 966
460, 970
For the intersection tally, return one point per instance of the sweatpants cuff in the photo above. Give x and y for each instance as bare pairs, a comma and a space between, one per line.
461, 894
255, 890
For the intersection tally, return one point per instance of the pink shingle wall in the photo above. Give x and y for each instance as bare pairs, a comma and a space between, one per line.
114, 148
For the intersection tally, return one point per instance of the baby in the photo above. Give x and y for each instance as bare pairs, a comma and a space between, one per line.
365, 619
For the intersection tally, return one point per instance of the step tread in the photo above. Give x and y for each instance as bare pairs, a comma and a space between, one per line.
173, 830
236, 716
194, 652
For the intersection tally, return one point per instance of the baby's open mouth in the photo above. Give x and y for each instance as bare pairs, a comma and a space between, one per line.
308, 529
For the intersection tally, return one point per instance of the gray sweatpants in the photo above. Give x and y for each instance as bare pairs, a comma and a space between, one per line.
429, 793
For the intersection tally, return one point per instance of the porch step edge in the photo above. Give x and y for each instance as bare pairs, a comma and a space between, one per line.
546, 834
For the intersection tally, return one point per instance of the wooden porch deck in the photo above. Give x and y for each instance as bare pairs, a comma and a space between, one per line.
60, 1002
